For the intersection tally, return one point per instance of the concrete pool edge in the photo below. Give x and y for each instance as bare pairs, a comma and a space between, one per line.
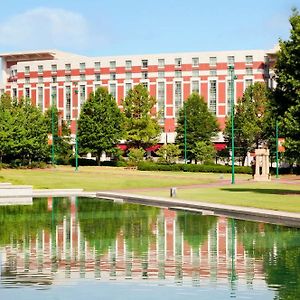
237, 212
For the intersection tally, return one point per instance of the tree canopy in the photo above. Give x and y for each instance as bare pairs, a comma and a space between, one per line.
249, 120
201, 124
100, 126
142, 129
287, 92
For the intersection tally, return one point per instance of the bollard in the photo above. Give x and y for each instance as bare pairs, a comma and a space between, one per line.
173, 192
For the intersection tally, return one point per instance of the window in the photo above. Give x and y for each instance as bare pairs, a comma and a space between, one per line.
128, 75
248, 82
113, 90
27, 92
68, 78
213, 61
54, 68
161, 74
54, 94
54, 79
161, 100
213, 96
113, 76
161, 62
68, 102
195, 73
82, 77
68, 67
128, 87
178, 74
40, 79
97, 77
40, 98
144, 63
230, 60
97, 66
144, 75
112, 64
82, 95
40, 69
27, 80
195, 61
82, 67
212, 72
177, 62
249, 59
178, 96
14, 93
128, 64
27, 70
249, 71
195, 86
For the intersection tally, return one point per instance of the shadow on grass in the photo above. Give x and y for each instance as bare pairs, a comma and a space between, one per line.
263, 191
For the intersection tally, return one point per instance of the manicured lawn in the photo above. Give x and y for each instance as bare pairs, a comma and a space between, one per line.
267, 195
103, 178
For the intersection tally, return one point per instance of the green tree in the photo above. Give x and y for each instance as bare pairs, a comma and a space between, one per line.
142, 129
287, 92
100, 126
204, 151
61, 137
168, 154
135, 156
201, 124
25, 136
249, 120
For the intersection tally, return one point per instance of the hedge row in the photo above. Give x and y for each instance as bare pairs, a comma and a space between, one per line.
91, 162
147, 166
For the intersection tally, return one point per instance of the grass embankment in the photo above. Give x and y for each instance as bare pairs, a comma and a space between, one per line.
269, 195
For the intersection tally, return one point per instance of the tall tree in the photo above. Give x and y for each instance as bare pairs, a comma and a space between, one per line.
100, 126
24, 133
142, 128
287, 93
201, 124
249, 120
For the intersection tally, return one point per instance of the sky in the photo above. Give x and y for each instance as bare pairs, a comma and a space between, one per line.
123, 27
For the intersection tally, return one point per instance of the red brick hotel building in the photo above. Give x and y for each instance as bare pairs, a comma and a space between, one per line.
47, 76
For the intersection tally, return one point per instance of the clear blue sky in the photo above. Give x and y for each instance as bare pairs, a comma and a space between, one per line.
116, 27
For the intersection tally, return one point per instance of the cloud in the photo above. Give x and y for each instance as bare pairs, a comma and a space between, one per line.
47, 28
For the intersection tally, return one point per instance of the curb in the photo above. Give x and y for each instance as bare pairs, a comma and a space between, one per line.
237, 212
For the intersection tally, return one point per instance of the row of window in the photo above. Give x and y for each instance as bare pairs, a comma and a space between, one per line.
178, 89
144, 64
128, 75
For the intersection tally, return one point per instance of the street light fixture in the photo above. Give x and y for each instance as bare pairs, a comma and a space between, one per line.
52, 129
185, 147
76, 139
232, 78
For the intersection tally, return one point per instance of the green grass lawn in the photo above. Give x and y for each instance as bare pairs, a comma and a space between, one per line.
102, 178
266, 195
269, 195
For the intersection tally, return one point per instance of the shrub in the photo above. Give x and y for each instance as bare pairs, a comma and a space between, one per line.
83, 162
135, 156
145, 166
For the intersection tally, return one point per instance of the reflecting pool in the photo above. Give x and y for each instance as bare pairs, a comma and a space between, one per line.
76, 248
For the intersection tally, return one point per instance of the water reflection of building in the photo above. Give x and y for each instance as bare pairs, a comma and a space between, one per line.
63, 252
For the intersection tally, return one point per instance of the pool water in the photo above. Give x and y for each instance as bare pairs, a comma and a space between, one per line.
77, 248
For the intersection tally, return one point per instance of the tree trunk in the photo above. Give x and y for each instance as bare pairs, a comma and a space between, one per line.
98, 155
